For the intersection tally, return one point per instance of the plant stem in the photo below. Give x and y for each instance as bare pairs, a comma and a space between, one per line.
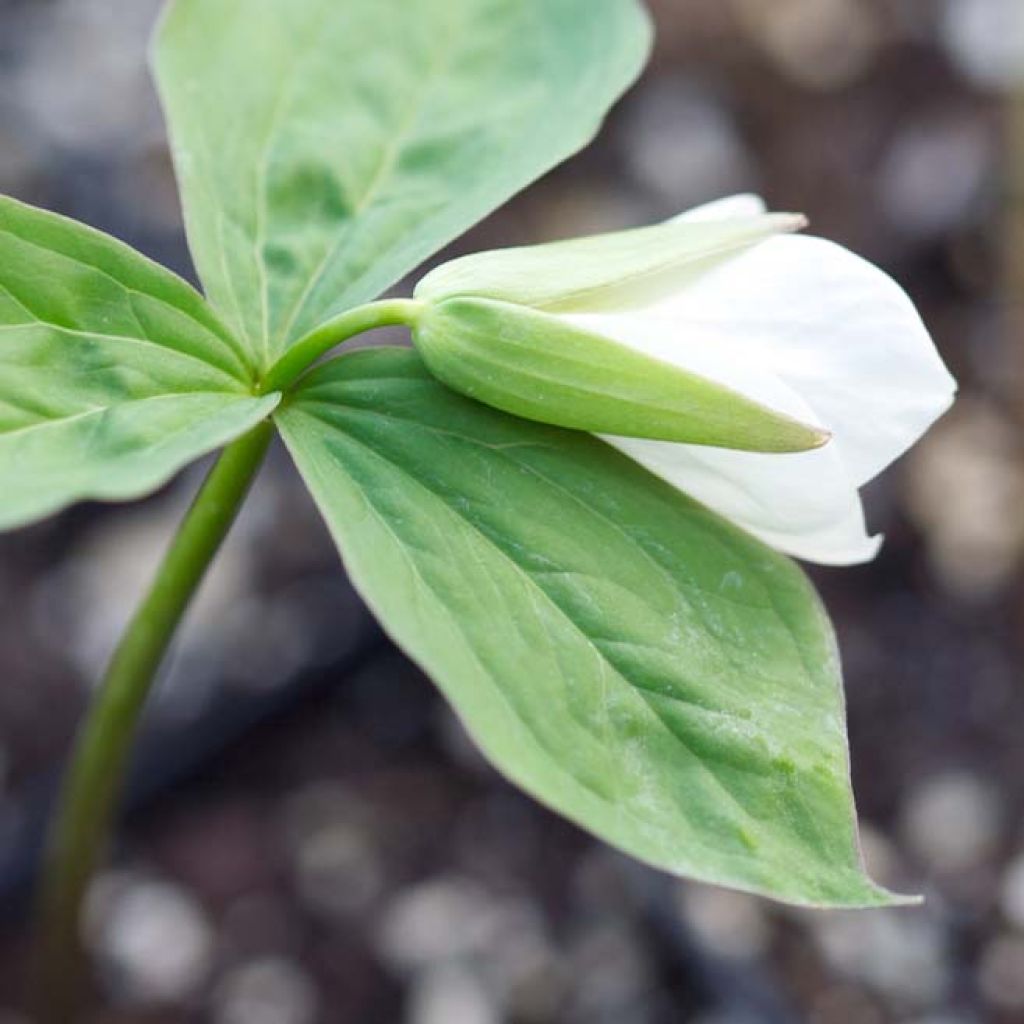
93, 780
300, 356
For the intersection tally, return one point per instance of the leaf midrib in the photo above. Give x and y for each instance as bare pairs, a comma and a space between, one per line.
661, 570
127, 339
221, 334
423, 91
284, 95
305, 401
98, 410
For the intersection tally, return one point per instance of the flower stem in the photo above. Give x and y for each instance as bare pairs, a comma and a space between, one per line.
93, 780
300, 356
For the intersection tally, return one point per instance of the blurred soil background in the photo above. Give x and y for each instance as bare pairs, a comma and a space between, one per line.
311, 839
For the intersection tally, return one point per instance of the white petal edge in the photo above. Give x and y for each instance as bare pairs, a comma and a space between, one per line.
836, 329
802, 504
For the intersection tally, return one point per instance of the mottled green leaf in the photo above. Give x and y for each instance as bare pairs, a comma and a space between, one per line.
113, 372
623, 654
325, 148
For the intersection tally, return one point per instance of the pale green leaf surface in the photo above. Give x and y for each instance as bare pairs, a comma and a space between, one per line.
113, 372
326, 148
618, 270
624, 655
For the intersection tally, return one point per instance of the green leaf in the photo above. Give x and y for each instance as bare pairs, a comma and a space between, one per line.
113, 372
630, 659
325, 148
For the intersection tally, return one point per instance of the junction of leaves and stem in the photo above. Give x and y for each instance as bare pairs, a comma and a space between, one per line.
336, 331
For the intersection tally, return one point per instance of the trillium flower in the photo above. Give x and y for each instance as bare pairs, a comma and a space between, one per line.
767, 375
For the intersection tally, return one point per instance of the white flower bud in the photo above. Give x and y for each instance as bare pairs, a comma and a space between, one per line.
753, 344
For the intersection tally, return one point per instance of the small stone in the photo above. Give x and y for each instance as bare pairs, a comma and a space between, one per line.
966, 488
268, 991
729, 924
1001, 972
519, 963
920, 202
151, 939
268, 642
614, 976
537, 993
83, 606
329, 833
338, 870
450, 994
821, 44
320, 805
900, 955
82, 74
682, 144
438, 920
953, 821
985, 38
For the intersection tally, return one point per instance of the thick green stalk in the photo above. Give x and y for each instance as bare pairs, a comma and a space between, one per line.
300, 356
93, 779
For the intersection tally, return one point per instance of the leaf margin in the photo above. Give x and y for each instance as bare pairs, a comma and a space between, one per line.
872, 894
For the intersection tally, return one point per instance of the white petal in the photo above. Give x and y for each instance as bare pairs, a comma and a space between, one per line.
746, 204
834, 328
803, 504
700, 351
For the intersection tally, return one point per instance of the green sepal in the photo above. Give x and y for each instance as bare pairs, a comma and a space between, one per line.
620, 270
541, 367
